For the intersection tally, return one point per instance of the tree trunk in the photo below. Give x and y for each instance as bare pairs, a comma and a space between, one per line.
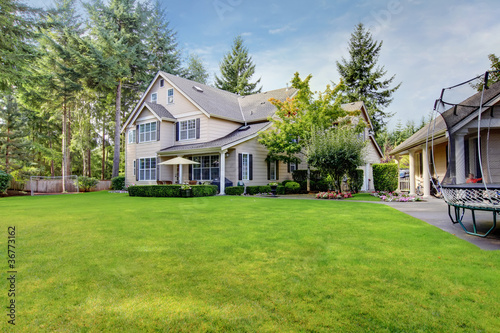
118, 114
7, 146
64, 168
308, 178
52, 171
103, 161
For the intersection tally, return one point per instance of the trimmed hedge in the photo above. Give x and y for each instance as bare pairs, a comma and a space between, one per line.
301, 175
280, 190
118, 183
170, 190
385, 177
252, 190
292, 187
235, 190
264, 189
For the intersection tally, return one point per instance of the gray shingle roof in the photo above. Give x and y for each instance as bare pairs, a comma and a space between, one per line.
160, 110
438, 127
257, 107
232, 137
351, 107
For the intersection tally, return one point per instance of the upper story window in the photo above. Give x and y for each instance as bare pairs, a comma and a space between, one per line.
187, 129
131, 136
162, 83
147, 132
154, 97
170, 96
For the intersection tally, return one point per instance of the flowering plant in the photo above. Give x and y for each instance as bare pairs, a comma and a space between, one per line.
185, 187
273, 184
333, 195
396, 197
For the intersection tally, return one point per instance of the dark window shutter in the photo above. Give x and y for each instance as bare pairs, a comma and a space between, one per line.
268, 170
240, 163
137, 134
177, 131
250, 167
190, 170
288, 167
158, 123
197, 128
137, 169
277, 170
157, 168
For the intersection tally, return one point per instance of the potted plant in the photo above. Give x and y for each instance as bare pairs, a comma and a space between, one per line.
185, 190
274, 187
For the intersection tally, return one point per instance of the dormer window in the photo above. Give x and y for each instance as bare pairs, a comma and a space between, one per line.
162, 83
154, 97
170, 96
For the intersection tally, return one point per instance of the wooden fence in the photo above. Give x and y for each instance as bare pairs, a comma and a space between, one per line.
53, 186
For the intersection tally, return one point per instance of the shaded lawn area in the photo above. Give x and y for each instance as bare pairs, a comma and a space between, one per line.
110, 262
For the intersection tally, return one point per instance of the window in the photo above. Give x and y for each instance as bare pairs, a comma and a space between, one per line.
293, 167
272, 170
162, 83
245, 163
208, 169
170, 96
131, 136
154, 97
147, 168
147, 132
187, 129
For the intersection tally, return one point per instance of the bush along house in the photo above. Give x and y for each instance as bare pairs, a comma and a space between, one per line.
215, 129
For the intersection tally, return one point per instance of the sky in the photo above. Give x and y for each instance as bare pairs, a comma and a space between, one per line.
427, 45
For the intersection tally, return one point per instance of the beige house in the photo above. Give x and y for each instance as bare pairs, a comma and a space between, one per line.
218, 129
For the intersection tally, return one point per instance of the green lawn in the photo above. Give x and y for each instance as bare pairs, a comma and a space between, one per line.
109, 262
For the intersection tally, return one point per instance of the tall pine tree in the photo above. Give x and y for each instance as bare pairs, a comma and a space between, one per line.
237, 70
195, 70
364, 80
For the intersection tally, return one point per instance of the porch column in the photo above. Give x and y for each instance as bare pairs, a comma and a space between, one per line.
425, 170
180, 174
367, 177
222, 172
412, 172
459, 158
398, 158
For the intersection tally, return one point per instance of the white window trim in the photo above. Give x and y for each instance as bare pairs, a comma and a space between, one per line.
245, 168
151, 137
187, 130
170, 98
154, 100
132, 135
150, 169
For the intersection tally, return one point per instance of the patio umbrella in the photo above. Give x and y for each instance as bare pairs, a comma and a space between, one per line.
178, 160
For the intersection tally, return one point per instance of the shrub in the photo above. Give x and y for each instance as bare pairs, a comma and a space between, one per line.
252, 190
280, 190
286, 181
86, 183
118, 183
356, 181
204, 190
292, 187
235, 190
264, 189
5, 179
385, 177
170, 190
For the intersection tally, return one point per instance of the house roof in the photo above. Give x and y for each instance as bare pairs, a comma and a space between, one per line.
358, 106
467, 107
160, 110
239, 135
438, 127
257, 107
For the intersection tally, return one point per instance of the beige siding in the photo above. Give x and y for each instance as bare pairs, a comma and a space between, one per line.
491, 158
370, 153
259, 153
204, 129
439, 159
218, 128
180, 105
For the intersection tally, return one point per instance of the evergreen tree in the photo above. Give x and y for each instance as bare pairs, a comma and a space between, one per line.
236, 70
195, 70
18, 31
13, 144
364, 80
161, 43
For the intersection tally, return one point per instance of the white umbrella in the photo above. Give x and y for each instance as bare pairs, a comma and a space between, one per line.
178, 160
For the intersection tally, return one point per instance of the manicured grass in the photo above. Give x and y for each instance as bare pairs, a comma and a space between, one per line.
363, 197
108, 262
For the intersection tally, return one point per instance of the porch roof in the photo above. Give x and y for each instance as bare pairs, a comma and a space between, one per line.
239, 135
437, 127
